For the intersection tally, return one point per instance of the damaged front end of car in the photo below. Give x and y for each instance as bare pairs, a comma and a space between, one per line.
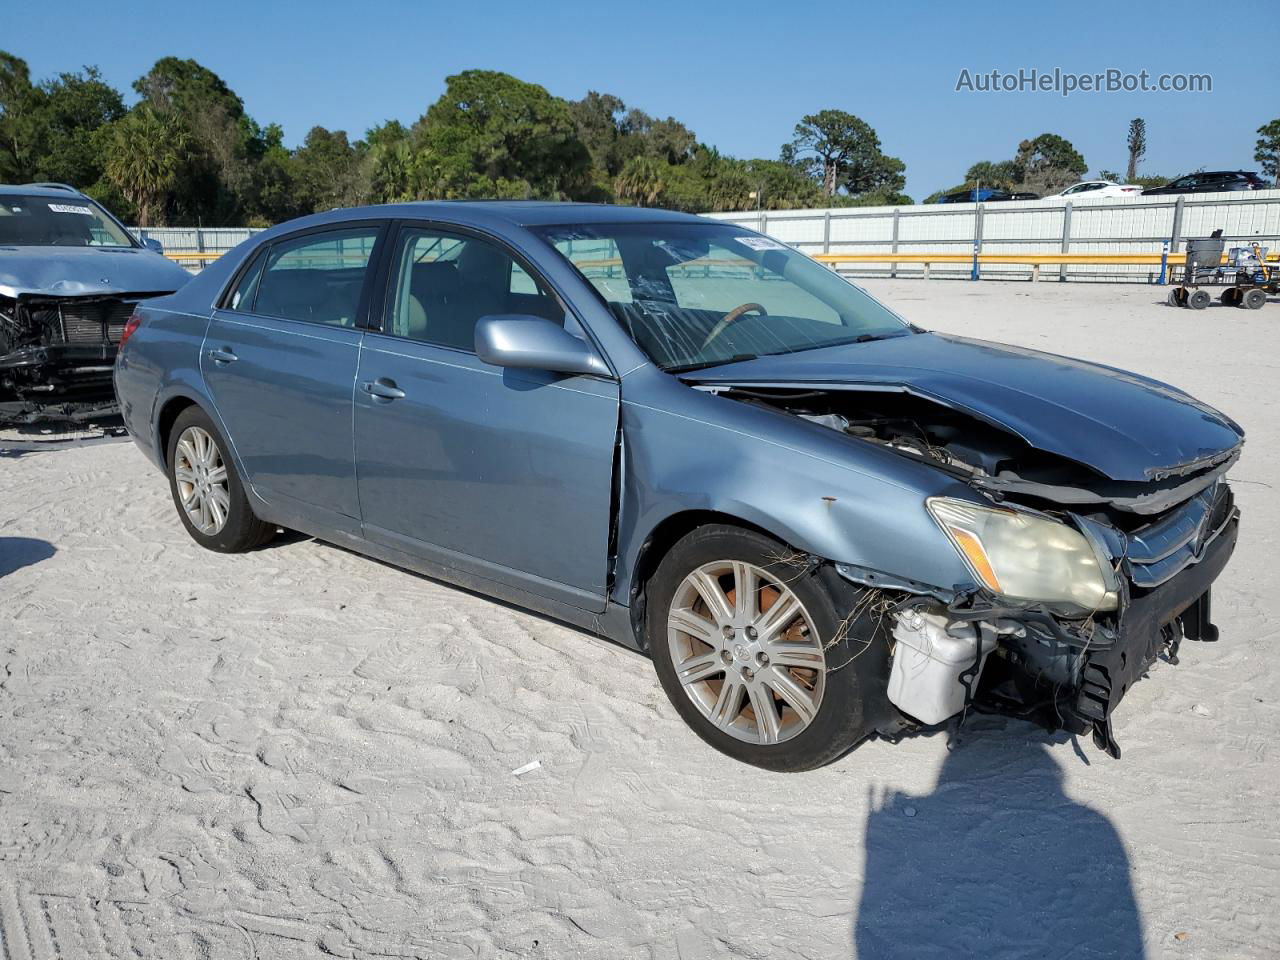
1080, 580
57, 353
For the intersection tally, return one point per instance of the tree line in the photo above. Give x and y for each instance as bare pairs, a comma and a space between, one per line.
187, 152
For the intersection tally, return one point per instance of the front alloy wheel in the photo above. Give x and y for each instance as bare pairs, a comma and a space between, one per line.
746, 652
766, 653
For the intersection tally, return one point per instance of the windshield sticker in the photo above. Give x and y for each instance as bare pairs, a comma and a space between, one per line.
69, 208
760, 243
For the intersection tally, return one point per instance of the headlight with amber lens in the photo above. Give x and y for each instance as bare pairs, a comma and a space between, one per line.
1024, 557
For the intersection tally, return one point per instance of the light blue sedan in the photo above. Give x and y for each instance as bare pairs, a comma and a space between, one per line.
821, 522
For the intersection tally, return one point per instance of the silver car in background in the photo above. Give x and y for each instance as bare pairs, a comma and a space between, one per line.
821, 522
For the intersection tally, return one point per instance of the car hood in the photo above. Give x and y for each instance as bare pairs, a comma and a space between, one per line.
1125, 426
86, 271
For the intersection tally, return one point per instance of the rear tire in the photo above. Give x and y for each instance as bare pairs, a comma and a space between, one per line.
207, 490
1253, 299
833, 668
1198, 299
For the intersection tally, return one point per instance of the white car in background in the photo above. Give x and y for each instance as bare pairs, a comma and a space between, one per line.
1098, 188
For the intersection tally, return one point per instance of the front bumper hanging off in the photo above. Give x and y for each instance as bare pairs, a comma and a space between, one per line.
1157, 620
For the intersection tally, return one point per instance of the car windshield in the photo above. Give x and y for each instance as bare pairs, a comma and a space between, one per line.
699, 294
51, 221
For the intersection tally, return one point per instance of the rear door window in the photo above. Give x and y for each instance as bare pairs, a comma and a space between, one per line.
317, 277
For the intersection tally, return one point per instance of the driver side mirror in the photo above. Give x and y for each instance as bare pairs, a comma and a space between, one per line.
155, 246
523, 341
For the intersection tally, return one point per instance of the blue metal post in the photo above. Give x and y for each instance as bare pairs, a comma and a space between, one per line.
974, 274
1164, 263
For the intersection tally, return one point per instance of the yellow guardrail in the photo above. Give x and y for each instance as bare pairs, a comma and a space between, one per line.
1033, 260
201, 257
1044, 259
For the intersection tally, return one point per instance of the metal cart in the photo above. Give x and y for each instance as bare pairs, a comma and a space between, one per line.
1244, 280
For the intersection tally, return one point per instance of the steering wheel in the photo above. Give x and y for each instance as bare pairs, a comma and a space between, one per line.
729, 319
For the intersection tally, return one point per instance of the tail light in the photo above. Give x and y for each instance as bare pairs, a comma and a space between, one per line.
132, 324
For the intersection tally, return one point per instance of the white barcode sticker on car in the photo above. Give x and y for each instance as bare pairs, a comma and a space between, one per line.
70, 208
760, 243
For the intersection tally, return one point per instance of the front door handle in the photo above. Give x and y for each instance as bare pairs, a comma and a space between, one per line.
382, 389
222, 355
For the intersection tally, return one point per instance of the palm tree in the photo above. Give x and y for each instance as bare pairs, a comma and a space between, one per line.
640, 182
146, 153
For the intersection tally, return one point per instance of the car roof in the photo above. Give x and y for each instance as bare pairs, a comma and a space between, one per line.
39, 190
523, 213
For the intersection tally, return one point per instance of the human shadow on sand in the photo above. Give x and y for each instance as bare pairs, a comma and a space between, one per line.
996, 862
19, 552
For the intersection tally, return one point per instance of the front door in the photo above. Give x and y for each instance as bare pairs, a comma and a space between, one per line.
503, 474
280, 360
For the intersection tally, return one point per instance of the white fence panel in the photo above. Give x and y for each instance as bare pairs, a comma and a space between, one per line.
1102, 225
1122, 225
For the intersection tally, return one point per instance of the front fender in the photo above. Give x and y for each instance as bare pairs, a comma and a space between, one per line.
823, 493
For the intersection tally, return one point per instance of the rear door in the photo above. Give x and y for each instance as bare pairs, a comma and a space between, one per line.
280, 360
503, 474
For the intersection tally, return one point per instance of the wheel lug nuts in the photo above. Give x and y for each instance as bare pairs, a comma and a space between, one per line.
762, 658
747, 674
727, 630
726, 656
751, 633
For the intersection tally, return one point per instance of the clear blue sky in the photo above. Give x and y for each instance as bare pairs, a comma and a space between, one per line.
739, 74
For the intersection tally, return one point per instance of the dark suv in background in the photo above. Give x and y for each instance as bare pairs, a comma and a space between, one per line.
1211, 181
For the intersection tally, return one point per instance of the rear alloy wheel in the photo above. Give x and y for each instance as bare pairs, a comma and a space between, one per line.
767, 655
207, 490
201, 477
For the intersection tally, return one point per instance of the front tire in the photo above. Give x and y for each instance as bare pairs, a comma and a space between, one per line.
771, 659
207, 490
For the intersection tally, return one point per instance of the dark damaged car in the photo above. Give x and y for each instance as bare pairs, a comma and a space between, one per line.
821, 522
70, 276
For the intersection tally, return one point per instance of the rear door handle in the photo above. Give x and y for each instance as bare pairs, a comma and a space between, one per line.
382, 389
222, 355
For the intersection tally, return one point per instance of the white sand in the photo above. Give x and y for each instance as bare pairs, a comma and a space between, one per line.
301, 750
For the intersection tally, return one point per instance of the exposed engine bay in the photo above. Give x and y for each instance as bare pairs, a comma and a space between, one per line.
1160, 544
990, 459
57, 353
